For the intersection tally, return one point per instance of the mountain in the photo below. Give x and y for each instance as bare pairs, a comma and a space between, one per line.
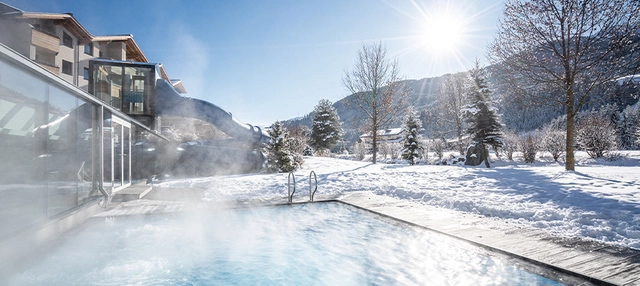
422, 94
518, 115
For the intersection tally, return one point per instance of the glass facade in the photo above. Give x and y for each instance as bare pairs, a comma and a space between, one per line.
60, 147
45, 164
126, 86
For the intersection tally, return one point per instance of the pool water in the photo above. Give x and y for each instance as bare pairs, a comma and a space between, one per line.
310, 244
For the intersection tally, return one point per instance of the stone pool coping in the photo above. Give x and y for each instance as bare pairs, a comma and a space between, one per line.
599, 263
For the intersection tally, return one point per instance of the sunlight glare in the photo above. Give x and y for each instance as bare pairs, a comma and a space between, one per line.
442, 34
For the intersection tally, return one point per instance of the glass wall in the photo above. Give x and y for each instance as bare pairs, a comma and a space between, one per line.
23, 184
128, 88
46, 158
121, 138
51, 134
107, 149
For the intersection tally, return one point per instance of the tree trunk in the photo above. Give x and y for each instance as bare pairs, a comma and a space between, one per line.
375, 144
570, 162
485, 154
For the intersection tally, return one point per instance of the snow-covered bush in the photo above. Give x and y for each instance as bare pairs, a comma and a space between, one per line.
298, 138
359, 150
396, 150
553, 141
529, 147
438, 146
385, 149
510, 144
596, 135
424, 152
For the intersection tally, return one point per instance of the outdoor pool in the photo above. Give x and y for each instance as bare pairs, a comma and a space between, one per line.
306, 244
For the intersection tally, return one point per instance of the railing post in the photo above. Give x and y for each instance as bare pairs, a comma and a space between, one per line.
312, 193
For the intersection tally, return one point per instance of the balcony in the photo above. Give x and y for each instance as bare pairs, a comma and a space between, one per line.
52, 68
45, 40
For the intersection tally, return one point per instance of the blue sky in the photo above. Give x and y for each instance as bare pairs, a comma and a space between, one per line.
268, 60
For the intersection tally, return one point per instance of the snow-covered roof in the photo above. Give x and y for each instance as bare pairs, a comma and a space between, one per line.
385, 132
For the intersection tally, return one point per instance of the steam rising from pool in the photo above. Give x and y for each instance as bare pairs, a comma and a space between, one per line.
326, 244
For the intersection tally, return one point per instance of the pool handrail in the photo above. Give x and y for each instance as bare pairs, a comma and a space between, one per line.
290, 194
312, 193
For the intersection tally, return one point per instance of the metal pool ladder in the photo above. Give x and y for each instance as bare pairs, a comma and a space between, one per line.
312, 188
290, 193
315, 178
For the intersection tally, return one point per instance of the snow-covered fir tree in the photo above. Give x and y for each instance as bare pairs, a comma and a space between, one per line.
412, 127
325, 127
280, 158
627, 125
483, 123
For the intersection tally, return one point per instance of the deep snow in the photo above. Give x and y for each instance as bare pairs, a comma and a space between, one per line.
599, 201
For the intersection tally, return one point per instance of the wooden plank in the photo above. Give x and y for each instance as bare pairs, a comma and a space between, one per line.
45, 41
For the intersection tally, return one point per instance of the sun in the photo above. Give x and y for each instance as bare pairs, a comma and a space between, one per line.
442, 33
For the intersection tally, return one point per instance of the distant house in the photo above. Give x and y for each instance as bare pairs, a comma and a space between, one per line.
392, 135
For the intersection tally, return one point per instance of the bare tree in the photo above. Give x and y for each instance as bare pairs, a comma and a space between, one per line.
452, 98
376, 88
565, 51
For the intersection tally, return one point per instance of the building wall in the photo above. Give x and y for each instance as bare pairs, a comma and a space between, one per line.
16, 35
114, 50
83, 63
67, 54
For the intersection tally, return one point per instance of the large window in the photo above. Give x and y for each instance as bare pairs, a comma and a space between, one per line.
67, 40
67, 67
126, 87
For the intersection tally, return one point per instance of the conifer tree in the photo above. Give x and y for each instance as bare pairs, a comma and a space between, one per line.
483, 122
279, 156
325, 127
627, 125
411, 129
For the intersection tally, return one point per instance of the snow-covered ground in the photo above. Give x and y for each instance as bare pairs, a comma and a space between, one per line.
599, 201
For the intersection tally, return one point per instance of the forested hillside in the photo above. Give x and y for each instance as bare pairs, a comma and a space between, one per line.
518, 114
